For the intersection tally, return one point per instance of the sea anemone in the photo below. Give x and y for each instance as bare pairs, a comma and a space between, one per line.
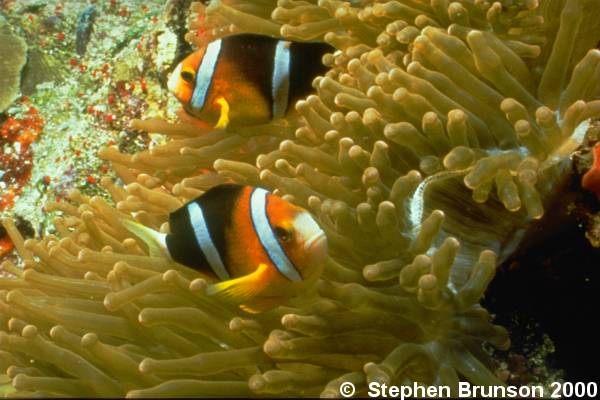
426, 108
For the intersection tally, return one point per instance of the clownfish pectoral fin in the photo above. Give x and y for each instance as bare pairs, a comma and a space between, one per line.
224, 116
156, 241
241, 289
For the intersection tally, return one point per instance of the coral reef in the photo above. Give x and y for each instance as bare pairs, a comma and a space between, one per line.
10, 67
585, 164
118, 78
439, 132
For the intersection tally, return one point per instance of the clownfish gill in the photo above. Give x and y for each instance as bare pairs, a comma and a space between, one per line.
247, 79
261, 248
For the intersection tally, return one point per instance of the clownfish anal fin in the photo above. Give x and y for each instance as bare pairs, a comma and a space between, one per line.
224, 113
256, 306
154, 240
242, 289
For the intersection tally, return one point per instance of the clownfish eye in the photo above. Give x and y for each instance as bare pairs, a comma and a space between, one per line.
187, 75
283, 234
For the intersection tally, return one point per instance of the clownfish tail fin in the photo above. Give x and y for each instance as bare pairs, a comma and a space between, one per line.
156, 241
242, 289
224, 116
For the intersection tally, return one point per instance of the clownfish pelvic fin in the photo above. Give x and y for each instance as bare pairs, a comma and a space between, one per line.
156, 241
224, 116
241, 289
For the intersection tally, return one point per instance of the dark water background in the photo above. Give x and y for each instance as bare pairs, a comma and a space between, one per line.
551, 286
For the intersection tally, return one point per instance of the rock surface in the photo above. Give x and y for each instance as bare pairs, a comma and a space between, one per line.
37, 70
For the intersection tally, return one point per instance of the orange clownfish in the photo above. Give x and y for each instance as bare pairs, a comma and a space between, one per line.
246, 79
260, 247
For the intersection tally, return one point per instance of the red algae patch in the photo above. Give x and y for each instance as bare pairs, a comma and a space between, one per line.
16, 136
5, 245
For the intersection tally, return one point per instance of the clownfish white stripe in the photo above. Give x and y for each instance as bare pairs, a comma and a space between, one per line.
205, 74
258, 211
205, 241
280, 85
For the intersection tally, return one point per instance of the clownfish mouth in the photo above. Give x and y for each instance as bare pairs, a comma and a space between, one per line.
316, 244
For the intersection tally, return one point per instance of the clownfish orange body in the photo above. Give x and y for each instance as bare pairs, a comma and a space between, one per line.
262, 248
246, 79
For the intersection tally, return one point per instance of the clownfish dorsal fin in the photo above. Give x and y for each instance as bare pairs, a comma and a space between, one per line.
155, 241
242, 289
219, 201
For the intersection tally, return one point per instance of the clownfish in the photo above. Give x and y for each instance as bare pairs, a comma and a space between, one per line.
246, 79
260, 247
